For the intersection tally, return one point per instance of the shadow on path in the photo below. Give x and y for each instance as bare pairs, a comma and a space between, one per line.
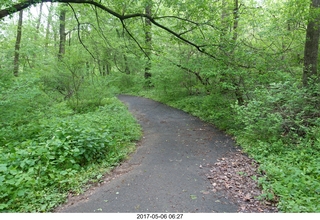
167, 171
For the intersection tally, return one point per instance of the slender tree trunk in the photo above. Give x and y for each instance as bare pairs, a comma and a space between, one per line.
148, 40
235, 21
224, 25
17, 45
62, 33
38, 22
49, 20
237, 80
33, 60
311, 49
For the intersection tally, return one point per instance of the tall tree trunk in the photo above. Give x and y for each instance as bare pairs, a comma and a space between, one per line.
224, 22
235, 21
238, 81
17, 45
35, 51
38, 22
62, 33
148, 40
49, 20
311, 49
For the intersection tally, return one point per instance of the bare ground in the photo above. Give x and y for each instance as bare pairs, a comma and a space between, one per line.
236, 176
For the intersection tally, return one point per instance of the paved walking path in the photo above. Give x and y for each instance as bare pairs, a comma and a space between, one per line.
167, 171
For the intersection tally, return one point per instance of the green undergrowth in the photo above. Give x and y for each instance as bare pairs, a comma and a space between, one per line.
291, 173
48, 150
214, 108
279, 128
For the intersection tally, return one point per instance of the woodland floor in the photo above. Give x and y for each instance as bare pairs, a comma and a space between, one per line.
234, 175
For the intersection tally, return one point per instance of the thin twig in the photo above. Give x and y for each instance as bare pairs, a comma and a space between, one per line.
134, 39
79, 36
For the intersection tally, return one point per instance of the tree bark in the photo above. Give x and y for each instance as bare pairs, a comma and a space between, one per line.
237, 81
311, 49
62, 32
17, 45
46, 45
224, 25
148, 40
235, 21
39, 22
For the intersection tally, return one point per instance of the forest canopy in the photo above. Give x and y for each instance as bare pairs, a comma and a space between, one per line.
248, 66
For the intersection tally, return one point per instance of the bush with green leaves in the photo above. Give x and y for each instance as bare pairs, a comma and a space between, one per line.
71, 82
213, 108
21, 103
64, 147
48, 150
126, 83
281, 111
280, 129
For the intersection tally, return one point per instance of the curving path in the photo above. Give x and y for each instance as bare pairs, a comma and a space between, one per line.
167, 172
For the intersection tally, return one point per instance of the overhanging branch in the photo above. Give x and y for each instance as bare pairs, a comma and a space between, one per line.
79, 36
134, 39
25, 4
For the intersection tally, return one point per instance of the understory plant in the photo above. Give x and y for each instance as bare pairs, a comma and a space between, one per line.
280, 129
48, 150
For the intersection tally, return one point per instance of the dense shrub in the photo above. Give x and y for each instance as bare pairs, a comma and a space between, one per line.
280, 129
281, 111
48, 150
213, 108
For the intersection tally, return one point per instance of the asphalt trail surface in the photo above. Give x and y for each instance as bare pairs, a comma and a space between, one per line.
167, 171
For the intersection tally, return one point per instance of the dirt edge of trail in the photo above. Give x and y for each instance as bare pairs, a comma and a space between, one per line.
236, 176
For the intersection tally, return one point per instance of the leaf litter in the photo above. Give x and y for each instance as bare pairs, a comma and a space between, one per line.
236, 176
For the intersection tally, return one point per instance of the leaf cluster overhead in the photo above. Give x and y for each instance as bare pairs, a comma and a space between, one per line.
122, 17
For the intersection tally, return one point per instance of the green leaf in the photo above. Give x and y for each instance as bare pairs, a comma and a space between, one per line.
99, 176
22, 192
3, 206
1, 179
3, 167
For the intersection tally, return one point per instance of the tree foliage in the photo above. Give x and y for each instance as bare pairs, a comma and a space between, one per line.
243, 65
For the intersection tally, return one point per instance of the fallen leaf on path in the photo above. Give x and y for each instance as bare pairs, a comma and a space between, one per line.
205, 192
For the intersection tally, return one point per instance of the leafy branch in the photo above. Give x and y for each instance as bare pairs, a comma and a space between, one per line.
25, 4
123, 17
79, 36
